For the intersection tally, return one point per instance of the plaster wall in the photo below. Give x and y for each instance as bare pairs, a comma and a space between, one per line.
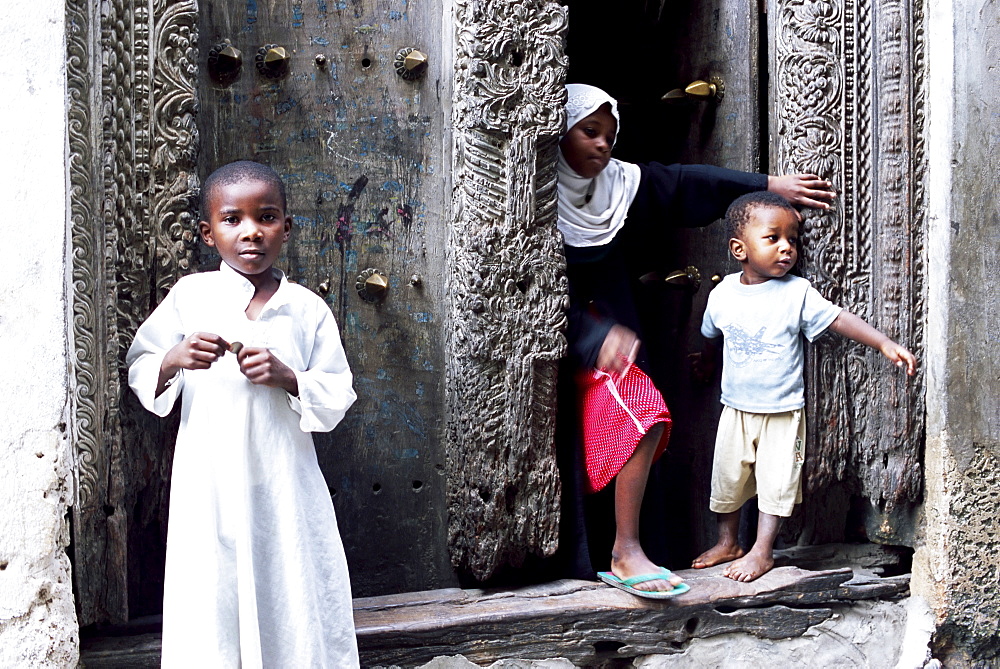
955, 565
37, 617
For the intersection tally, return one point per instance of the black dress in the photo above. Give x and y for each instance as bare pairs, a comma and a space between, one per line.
602, 288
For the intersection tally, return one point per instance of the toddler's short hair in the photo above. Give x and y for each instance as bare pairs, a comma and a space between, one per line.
738, 214
235, 172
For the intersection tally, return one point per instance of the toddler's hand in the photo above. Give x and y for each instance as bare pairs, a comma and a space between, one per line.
807, 190
196, 351
900, 356
263, 368
618, 351
702, 366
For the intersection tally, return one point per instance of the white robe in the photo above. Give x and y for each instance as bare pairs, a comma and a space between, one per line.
255, 568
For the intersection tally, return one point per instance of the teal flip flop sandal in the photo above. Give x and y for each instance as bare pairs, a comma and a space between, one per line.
627, 583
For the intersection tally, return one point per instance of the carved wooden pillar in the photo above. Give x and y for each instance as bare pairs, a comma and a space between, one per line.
132, 152
847, 103
507, 284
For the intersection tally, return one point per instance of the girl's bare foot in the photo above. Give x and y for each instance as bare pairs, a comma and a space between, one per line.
749, 568
629, 564
717, 554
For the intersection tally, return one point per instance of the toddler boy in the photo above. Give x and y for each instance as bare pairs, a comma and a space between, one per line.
760, 312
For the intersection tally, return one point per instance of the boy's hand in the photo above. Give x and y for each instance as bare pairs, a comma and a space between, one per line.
196, 351
263, 368
704, 363
900, 356
807, 190
849, 325
619, 350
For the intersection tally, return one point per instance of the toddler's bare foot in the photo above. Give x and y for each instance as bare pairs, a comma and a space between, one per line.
749, 568
629, 564
717, 554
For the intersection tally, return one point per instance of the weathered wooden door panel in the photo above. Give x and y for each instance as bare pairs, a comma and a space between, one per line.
360, 149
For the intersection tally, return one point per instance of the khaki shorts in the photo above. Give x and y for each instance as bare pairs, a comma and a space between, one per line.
758, 454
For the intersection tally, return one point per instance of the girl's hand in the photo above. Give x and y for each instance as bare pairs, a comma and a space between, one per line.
196, 351
263, 368
900, 356
619, 350
806, 190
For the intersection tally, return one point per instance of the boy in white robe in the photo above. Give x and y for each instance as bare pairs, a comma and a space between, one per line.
255, 568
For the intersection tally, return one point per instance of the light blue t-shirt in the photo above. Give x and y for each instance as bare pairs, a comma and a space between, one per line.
762, 349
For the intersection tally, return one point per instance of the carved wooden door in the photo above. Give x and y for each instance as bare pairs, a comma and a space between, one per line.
640, 52
344, 101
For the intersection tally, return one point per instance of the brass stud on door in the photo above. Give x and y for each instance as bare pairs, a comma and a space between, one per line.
372, 285
225, 62
272, 60
410, 64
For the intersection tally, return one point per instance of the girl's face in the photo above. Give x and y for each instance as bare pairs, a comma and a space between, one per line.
587, 145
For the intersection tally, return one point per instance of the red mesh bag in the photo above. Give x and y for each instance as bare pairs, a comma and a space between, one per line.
617, 412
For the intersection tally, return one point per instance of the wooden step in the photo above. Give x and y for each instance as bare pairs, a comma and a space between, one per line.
586, 622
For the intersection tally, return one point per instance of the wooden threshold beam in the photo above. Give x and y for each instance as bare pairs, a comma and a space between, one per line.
585, 622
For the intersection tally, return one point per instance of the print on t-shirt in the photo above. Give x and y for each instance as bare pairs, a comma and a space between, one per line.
746, 348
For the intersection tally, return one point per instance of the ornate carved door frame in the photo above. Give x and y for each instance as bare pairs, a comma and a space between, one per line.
508, 283
132, 153
847, 99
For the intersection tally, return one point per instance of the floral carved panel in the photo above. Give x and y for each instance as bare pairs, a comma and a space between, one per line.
132, 153
847, 103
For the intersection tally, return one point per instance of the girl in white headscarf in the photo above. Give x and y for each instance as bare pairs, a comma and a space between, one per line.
610, 211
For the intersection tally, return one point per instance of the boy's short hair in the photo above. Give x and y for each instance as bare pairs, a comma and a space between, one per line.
235, 172
738, 214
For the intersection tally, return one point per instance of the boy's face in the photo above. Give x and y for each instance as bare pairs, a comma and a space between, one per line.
587, 145
768, 246
247, 224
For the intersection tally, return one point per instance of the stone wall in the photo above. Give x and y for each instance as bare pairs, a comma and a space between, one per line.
37, 618
956, 563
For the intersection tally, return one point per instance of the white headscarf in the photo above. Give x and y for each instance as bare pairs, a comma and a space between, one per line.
593, 220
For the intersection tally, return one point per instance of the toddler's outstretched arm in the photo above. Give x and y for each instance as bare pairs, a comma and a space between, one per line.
853, 327
807, 190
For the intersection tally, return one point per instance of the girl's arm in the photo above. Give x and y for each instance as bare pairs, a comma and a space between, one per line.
853, 327
689, 196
